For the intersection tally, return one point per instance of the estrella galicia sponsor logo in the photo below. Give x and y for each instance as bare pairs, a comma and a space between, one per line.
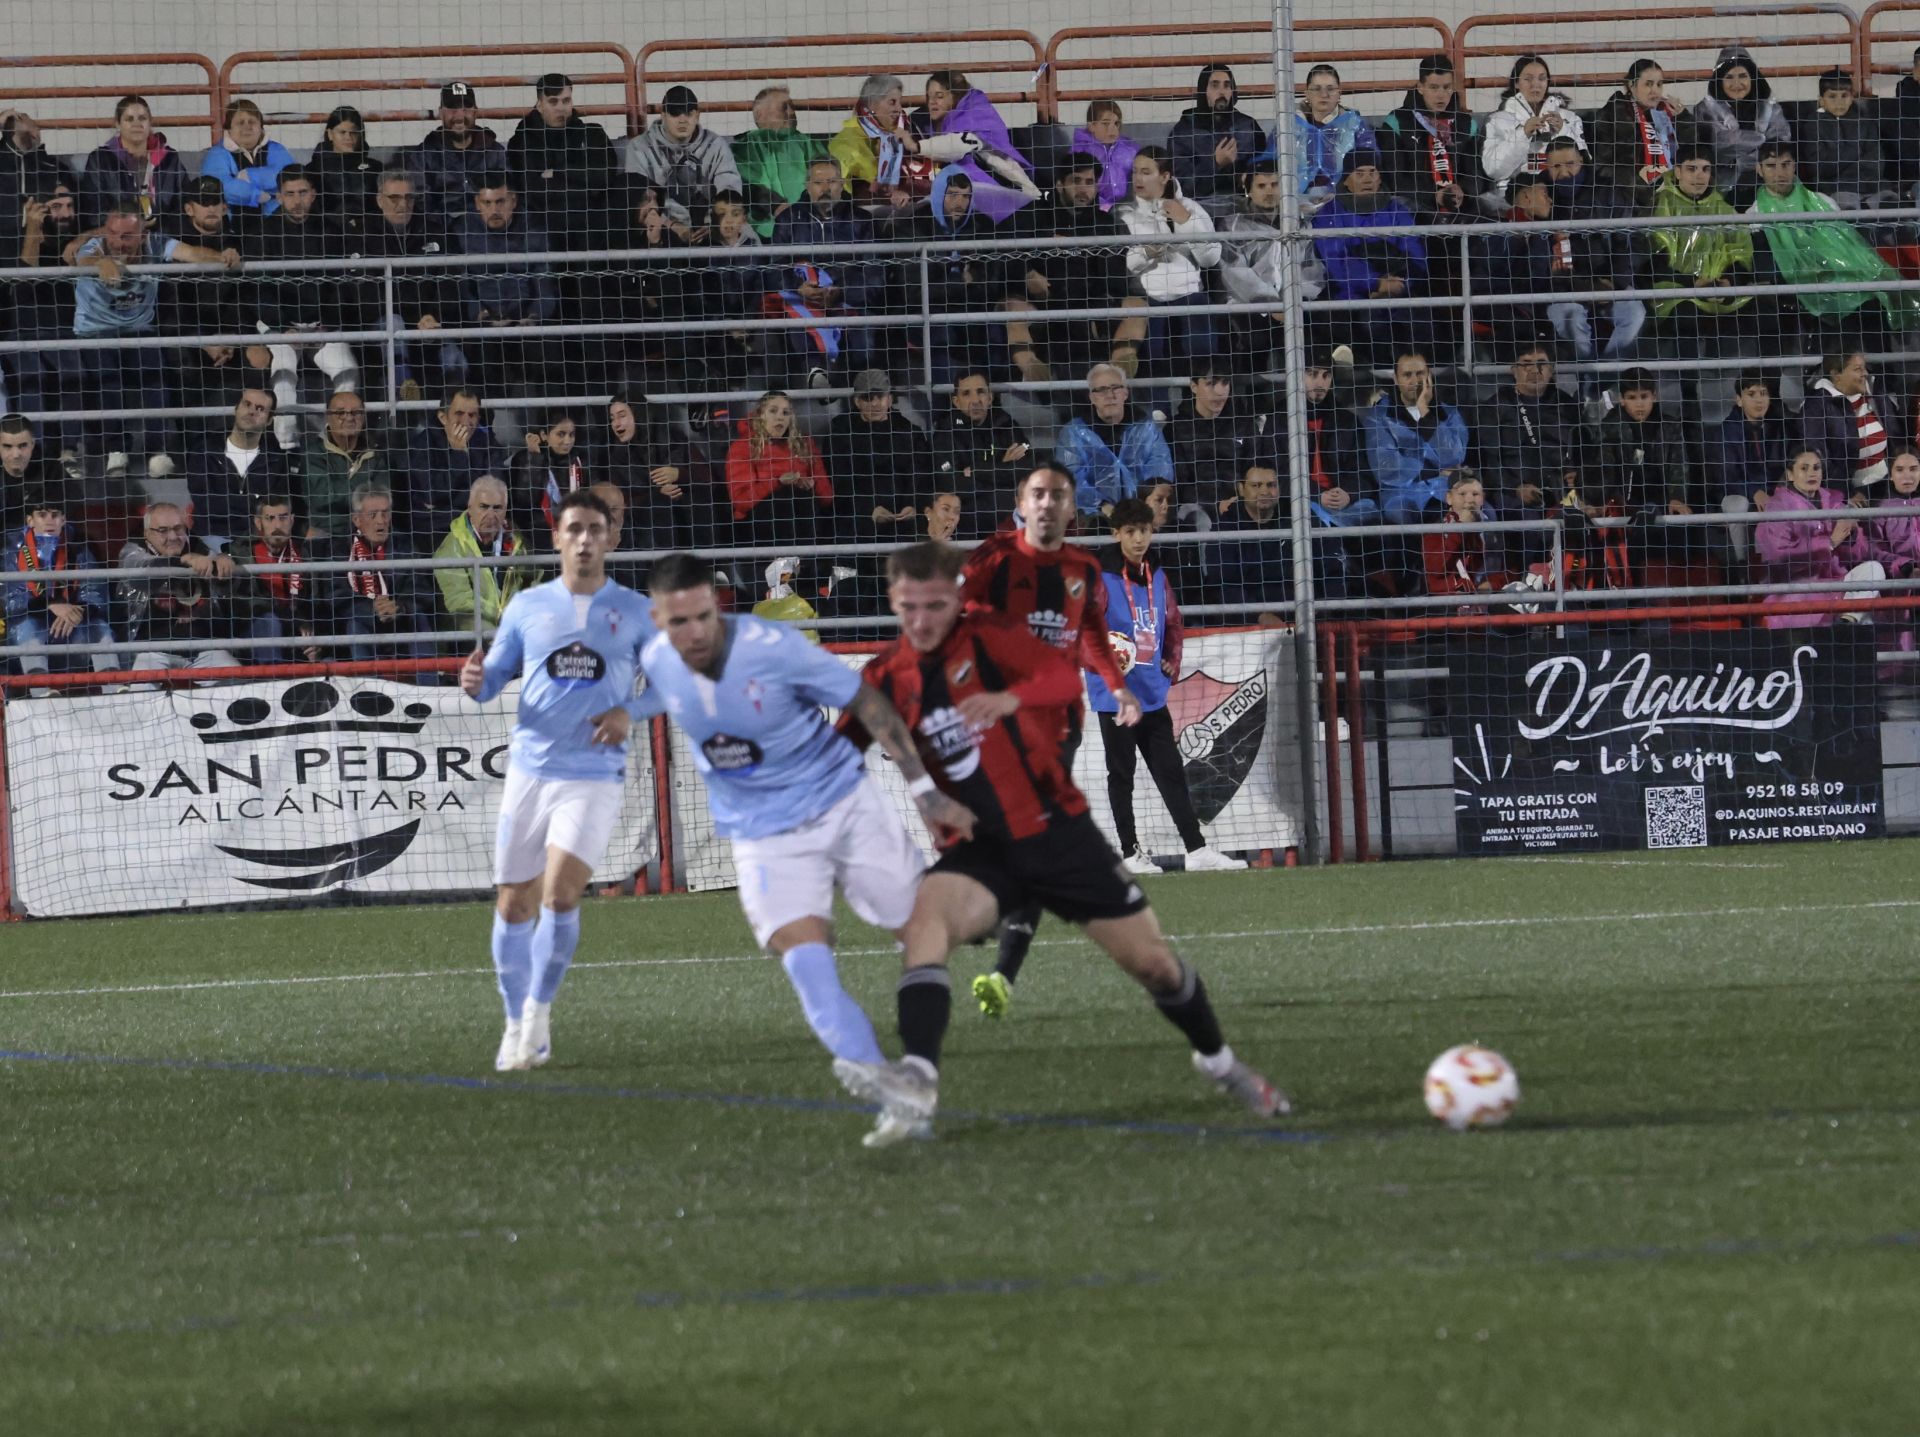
328, 863
732, 755
576, 666
1219, 727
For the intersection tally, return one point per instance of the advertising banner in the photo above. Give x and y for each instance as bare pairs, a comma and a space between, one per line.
267, 792
1232, 720
1621, 739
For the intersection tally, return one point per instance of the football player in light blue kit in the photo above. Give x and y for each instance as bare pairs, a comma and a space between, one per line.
794, 797
577, 640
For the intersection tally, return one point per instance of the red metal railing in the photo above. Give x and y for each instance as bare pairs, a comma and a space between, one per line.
1818, 36
1385, 50
1879, 27
185, 105
1345, 645
823, 71
503, 76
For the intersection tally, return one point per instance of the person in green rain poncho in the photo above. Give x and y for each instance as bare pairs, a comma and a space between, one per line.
1701, 257
1823, 253
773, 157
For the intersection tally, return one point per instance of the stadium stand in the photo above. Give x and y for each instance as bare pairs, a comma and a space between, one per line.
667, 253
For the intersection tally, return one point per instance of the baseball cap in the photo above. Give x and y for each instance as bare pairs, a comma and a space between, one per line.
679, 101
869, 382
458, 96
552, 83
205, 190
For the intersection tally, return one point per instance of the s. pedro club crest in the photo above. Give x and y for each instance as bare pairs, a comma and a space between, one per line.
1219, 725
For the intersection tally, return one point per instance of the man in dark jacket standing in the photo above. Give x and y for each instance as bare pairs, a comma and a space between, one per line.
1839, 144
1526, 443
979, 455
225, 476
314, 300
1213, 140
1214, 438
422, 299
209, 374
963, 281
561, 166
825, 217
441, 463
1074, 279
1430, 148
27, 172
880, 465
507, 300
448, 165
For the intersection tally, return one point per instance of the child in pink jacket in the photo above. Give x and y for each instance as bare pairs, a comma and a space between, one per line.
1894, 539
1798, 548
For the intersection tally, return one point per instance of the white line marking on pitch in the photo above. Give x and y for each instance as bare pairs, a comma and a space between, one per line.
1328, 931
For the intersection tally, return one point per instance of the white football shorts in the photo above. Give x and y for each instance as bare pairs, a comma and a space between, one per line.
859, 844
575, 814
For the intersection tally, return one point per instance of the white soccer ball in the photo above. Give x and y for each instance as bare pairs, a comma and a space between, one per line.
1125, 652
1531, 583
1472, 1087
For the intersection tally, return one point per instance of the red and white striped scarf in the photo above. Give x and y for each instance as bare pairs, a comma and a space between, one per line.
1653, 149
284, 587
1871, 432
367, 583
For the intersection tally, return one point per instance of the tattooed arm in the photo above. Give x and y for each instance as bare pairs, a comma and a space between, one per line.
873, 711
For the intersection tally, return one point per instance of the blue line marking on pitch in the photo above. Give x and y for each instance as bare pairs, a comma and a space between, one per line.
256, 1069
911, 1290
899, 1291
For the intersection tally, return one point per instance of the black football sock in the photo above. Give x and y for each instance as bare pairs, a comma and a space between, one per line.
1016, 937
1188, 1009
925, 1002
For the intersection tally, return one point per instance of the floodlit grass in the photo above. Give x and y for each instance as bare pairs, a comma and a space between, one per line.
233, 1202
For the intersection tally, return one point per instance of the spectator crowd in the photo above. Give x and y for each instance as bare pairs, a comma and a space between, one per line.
1147, 368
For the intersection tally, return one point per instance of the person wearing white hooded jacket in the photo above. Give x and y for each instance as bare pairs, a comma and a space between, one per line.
1170, 274
1532, 115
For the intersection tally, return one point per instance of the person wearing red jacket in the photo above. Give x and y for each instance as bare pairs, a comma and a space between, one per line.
776, 481
1034, 575
987, 704
1456, 560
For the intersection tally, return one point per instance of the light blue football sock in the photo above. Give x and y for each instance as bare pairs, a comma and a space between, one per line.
835, 1018
553, 944
512, 962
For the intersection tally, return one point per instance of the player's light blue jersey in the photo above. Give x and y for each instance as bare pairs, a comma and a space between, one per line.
580, 654
771, 760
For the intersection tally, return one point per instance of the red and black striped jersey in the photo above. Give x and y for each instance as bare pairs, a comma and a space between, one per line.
1057, 593
1011, 774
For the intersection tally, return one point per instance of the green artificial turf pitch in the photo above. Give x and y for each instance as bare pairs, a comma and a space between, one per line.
258, 1176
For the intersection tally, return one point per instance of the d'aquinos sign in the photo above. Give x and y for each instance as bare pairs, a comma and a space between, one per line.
1626, 692
1664, 740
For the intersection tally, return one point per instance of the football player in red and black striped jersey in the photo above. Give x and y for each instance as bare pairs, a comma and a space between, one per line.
1055, 589
987, 704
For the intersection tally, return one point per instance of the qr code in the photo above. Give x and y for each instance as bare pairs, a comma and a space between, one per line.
1677, 817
